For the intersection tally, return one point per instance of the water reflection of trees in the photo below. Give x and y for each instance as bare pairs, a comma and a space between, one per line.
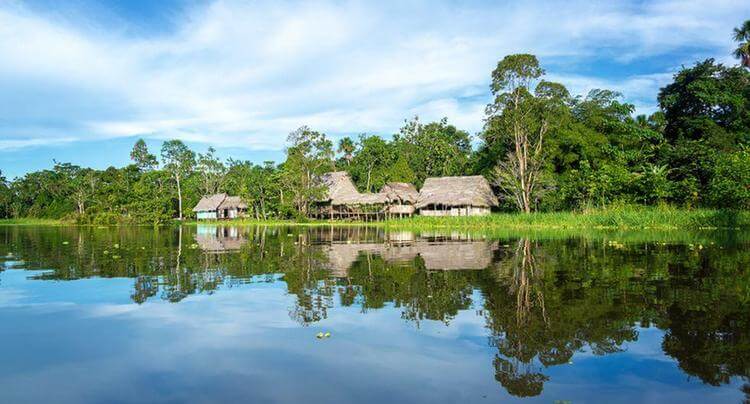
542, 301
535, 322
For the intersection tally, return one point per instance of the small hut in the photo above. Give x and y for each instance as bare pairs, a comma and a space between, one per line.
401, 198
220, 206
456, 196
342, 200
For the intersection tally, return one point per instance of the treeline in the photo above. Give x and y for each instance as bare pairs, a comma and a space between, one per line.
542, 148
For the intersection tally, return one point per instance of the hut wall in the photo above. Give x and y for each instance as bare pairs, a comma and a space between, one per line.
206, 215
403, 209
455, 211
226, 213
478, 211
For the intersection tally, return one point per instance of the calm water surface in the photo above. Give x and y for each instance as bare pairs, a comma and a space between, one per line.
232, 314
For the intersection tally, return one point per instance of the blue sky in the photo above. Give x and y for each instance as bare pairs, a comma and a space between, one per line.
81, 80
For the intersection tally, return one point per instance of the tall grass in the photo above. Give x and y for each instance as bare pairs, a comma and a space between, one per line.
32, 222
628, 217
616, 217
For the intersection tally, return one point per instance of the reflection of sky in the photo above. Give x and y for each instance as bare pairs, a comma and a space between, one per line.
84, 341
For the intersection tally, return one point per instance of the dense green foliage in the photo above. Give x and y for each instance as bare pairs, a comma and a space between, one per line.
542, 148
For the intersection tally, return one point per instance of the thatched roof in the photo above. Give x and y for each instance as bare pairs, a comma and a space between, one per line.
219, 201
401, 192
233, 202
457, 191
209, 203
340, 190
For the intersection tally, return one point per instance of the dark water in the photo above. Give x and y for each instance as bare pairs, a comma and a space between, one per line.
228, 314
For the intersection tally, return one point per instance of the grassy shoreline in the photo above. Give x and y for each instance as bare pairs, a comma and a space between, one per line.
630, 218
30, 221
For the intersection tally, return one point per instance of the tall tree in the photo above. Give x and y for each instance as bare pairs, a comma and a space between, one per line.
434, 149
6, 197
178, 161
346, 147
212, 172
84, 188
309, 155
706, 113
742, 35
369, 165
140, 155
519, 119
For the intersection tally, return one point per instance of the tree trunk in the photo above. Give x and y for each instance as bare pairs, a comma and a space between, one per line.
179, 198
369, 173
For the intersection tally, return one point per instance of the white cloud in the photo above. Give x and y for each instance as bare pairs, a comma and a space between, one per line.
248, 73
14, 144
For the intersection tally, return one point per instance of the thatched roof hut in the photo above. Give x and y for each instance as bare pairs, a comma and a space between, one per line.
400, 192
219, 206
340, 190
456, 196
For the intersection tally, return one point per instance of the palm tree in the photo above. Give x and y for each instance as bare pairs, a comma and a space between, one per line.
742, 35
346, 146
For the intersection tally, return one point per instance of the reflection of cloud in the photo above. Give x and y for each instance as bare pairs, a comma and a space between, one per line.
11, 297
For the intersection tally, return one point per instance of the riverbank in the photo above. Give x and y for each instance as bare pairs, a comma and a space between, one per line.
663, 218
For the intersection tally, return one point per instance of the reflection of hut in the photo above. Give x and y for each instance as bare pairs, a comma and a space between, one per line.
400, 237
401, 198
219, 238
456, 196
342, 200
342, 256
455, 255
444, 255
220, 206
